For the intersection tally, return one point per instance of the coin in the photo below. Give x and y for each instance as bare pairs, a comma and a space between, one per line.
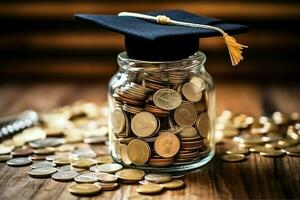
64, 175
20, 161
130, 174
167, 99
21, 152
124, 154
107, 186
84, 189
85, 178
4, 158
118, 120
203, 125
237, 150
167, 145
175, 184
233, 157
140, 197
61, 161
144, 124
188, 132
42, 172
192, 92
103, 159
44, 151
95, 140
5, 149
37, 157
138, 151
83, 163
185, 115
293, 151
107, 178
158, 178
268, 152
48, 142
149, 189
109, 168
42, 164
65, 148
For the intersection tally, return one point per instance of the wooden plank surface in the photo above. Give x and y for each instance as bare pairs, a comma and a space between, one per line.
256, 178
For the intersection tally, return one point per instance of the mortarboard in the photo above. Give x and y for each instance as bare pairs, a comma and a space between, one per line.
169, 34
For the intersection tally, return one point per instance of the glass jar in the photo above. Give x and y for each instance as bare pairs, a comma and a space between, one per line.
162, 114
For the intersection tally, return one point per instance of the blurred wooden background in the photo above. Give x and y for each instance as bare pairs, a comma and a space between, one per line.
40, 39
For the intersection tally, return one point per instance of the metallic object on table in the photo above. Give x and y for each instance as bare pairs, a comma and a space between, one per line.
14, 124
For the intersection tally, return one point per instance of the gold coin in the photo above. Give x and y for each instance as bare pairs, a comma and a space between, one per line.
65, 148
192, 91
130, 174
188, 132
293, 151
272, 152
124, 154
203, 125
138, 151
103, 159
83, 163
233, 157
167, 145
107, 186
118, 120
62, 161
44, 151
84, 188
140, 197
167, 99
107, 178
144, 124
149, 189
185, 115
158, 178
237, 150
175, 184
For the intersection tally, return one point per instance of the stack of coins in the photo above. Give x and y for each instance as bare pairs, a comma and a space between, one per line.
274, 136
163, 119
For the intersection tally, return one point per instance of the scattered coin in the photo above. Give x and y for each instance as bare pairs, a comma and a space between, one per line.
83, 163
42, 172
21, 152
174, 184
44, 151
158, 178
64, 175
109, 168
61, 161
140, 197
37, 157
138, 151
65, 148
85, 178
237, 150
42, 164
149, 189
48, 142
105, 159
4, 158
167, 99
95, 140
84, 189
5, 149
144, 124
130, 174
107, 186
107, 178
167, 145
268, 152
293, 151
233, 157
20, 161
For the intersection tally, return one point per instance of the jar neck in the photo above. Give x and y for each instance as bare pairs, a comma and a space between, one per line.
194, 63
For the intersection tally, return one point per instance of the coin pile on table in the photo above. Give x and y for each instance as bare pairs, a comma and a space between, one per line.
61, 147
161, 122
274, 136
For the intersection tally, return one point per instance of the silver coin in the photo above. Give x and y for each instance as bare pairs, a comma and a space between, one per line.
48, 142
64, 175
109, 168
21, 161
167, 99
86, 178
65, 168
42, 172
43, 164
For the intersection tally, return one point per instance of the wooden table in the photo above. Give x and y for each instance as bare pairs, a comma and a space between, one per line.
256, 178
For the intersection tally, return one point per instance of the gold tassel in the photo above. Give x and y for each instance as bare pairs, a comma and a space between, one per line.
234, 49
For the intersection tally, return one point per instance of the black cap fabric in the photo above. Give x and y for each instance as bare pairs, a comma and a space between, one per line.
146, 40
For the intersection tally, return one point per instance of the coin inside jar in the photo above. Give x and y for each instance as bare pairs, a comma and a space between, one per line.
118, 120
144, 124
167, 99
138, 151
167, 145
188, 132
203, 125
192, 90
185, 115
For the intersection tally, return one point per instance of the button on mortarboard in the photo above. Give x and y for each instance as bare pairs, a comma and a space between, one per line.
146, 40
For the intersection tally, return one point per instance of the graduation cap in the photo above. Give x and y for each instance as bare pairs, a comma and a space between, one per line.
169, 34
